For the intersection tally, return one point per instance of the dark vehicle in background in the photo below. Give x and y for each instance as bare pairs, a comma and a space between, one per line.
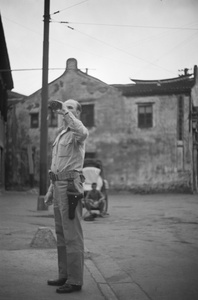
93, 172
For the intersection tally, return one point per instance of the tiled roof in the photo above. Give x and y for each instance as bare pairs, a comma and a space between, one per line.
182, 84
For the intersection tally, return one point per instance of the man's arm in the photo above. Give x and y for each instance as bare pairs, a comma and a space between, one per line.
49, 196
89, 199
100, 195
76, 126
88, 195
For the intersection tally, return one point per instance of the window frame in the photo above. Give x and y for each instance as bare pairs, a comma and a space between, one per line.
147, 120
32, 122
53, 118
180, 118
90, 121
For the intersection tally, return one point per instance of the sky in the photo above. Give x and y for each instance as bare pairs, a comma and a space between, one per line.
115, 40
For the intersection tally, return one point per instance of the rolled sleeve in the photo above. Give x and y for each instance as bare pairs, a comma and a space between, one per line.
76, 126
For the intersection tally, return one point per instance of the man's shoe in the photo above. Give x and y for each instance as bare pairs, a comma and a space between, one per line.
57, 282
68, 288
102, 214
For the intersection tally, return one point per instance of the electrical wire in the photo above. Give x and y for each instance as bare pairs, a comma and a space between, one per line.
107, 44
6, 18
100, 24
58, 11
139, 58
125, 25
36, 69
191, 37
194, 35
29, 69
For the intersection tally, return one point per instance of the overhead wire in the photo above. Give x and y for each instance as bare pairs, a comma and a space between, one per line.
156, 27
130, 26
62, 42
69, 26
149, 37
39, 33
28, 69
101, 24
156, 36
107, 44
58, 11
34, 69
27, 28
191, 37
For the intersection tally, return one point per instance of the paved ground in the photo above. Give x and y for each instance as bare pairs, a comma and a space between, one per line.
147, 248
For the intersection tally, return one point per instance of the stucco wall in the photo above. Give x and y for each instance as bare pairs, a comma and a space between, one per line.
144, 159
136, 159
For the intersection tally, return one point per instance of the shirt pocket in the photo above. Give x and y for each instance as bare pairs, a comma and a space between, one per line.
65, 147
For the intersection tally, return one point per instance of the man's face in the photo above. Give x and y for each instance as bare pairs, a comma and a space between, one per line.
94, 186
72, 106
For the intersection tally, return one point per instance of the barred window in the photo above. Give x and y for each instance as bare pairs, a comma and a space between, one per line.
145, 115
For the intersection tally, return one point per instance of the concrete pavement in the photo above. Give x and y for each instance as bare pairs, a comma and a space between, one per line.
145, 249
148, 247
24, 270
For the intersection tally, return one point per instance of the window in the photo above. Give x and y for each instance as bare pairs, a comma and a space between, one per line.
145, 115
180, 119
87, 115
34, 120
53, 118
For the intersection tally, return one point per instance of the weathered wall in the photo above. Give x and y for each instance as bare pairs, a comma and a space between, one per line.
163, 170
144, 159
77, 85
136, 159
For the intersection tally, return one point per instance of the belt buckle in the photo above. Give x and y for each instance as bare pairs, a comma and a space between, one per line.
71, 175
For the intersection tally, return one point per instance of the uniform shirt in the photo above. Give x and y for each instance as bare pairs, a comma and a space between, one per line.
95, 195
68, 150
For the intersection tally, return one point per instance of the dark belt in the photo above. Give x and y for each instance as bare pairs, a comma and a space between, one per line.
64, 175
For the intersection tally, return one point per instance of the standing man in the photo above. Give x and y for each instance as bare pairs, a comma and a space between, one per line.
66, 188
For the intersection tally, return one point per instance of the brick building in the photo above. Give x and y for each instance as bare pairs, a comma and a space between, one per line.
141, 131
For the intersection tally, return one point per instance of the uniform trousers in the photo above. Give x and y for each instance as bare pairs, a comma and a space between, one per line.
70, 242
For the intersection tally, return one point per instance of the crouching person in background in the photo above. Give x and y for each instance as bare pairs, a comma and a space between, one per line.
94, 200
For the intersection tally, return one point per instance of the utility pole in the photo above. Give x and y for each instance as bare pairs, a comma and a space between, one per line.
44, 112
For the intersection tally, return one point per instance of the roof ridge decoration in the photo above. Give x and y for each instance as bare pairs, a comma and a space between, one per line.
160, 81
182, 84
